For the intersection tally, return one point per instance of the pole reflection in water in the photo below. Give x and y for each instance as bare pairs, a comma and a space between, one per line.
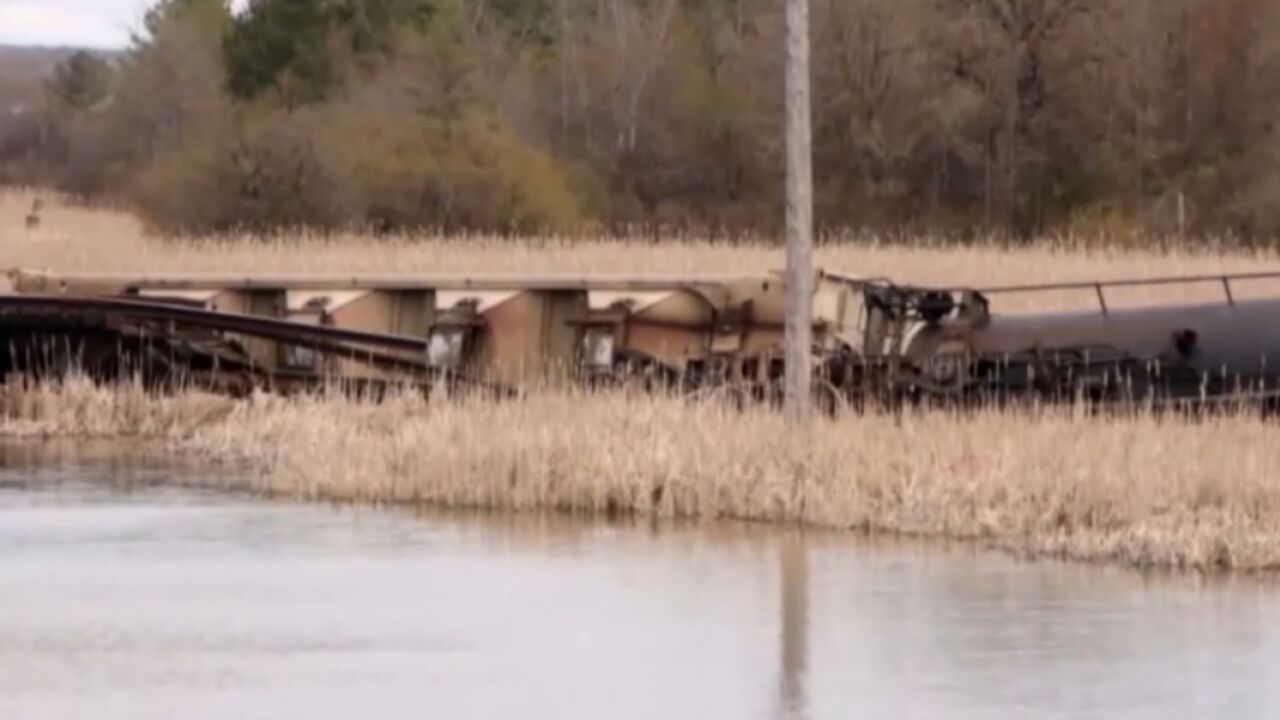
794, 643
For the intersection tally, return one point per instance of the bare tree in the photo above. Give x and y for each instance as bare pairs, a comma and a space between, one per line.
1004, 51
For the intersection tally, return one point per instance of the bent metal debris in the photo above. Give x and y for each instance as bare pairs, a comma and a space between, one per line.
875, 341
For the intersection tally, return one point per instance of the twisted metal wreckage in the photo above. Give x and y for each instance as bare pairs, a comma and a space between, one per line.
875, 342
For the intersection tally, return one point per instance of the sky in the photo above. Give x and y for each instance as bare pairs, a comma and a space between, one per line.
82, 23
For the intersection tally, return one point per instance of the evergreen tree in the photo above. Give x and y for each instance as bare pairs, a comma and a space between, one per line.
296, 46
81, 81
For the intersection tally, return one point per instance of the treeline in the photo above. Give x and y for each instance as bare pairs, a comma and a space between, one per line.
1008, 116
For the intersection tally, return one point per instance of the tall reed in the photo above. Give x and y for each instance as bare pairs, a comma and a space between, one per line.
1152, 491
73, 238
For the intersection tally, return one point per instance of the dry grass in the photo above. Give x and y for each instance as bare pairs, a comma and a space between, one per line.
74, 239
1147, 491
78, 409
1144, 491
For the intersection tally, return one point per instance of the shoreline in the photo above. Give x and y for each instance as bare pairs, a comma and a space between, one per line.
1146, 492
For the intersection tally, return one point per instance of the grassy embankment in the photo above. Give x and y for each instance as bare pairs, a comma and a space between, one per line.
1147, 491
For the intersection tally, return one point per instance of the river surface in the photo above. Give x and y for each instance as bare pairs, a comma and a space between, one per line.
124, 596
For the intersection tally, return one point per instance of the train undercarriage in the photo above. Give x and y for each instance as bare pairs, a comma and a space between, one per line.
876, 343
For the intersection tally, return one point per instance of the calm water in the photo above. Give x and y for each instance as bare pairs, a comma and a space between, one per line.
122, 597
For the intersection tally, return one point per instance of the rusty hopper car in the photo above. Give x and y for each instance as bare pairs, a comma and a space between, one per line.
874, 341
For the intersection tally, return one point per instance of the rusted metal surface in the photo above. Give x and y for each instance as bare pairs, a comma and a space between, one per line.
45, 332
874, 341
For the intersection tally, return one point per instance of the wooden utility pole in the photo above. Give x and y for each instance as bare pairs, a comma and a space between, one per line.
799, 336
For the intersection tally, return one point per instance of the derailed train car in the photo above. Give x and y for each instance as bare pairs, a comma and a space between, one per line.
874, 341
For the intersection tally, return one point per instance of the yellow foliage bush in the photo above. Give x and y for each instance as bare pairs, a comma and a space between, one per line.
471, 174
332, 171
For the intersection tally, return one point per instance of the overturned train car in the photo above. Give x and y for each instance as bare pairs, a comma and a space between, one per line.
875, 342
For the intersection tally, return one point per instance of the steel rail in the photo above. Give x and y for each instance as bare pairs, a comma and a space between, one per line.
324, 339
1133, 282
252, 325
1100, 287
